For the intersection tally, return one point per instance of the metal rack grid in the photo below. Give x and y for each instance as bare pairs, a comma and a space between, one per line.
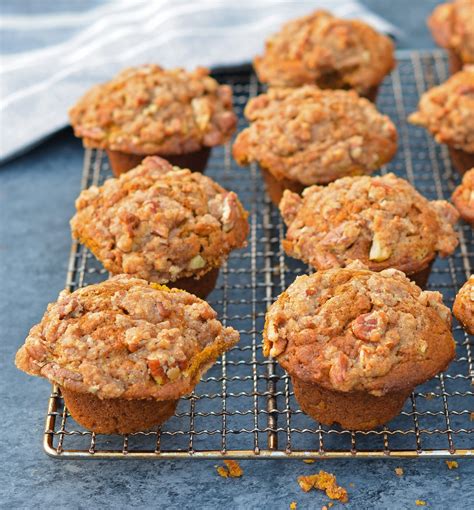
244, 406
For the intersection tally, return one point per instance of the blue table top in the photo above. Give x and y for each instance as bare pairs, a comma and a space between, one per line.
37, 193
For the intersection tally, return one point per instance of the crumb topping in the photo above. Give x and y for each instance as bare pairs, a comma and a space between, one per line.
315, 136
463, 308
353, 329
447, 111
326, 482
160, 222
151, 110
452, 27
126, 338
463, 197
326, 51
382, 221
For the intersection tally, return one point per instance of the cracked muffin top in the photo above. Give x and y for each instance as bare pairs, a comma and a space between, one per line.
126, 338
447, 111
326, 51
452, 26
463, 197
159, 222
315, 136
351, 329
381, 221
151, 110
463, 308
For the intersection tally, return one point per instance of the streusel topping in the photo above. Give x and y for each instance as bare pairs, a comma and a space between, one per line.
326, 51
151, 110
160, 222
353, 329
463, 197
382, 221
126, 338
452, 26
315, 136
464, 305
447, 111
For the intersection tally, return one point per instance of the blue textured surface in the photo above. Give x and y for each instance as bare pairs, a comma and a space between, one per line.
37, 193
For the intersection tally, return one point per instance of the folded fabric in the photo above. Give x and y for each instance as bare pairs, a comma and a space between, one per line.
49, 60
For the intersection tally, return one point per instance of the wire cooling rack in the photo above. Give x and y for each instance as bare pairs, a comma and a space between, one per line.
244, 406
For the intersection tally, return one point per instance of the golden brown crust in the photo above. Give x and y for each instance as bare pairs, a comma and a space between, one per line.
447, 111
355, 330
125, 338
463, 197
314, 136
452, 27
160, 223
151, 110
463, 308
382, 221
326, 51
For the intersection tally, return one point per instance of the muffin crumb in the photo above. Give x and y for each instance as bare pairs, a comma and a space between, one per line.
420, 502
399, 471
231, 469
293, 505
325, 482
309, 461
452, 464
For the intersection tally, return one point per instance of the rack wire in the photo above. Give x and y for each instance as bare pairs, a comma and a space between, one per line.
244, 406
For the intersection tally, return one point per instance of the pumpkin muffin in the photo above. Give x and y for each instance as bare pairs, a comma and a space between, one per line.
447, 112
463, 197
310, 136
452, 27
124, 351
148, 110
463, 308
381, 221
162, 224
320, 49
355, 342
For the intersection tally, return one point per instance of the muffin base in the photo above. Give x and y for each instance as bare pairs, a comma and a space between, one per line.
462, 160
355, 410
455, 62
371, 93
422, 276
275, 187
116, 415
121, 162
201, 287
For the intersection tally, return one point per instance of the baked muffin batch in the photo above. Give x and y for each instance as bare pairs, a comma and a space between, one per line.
356, 336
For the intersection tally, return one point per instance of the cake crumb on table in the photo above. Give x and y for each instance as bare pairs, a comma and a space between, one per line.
452, 464
231, 469
399, 471
293, 505
309, 461
420, 502
326, 482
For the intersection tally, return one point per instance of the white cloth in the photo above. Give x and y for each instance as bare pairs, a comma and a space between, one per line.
68, 52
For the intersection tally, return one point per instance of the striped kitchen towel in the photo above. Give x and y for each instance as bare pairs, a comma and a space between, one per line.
50, 58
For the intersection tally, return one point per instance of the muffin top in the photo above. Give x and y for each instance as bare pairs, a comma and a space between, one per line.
126, 338
160, 222
452, 27
151, 110
352, 329
381, 221
463, 307
463, 197
447, 111
326, 51
315, 136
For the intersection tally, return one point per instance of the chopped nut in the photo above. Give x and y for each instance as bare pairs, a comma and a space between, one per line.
452, 464
326, 482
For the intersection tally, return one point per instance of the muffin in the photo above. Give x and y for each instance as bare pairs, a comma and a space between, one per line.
162, 224
381, 221
310, 136
355, 342
452, 27
447, 112
148, 110
124, 351
463, 197
329, 52
463, 308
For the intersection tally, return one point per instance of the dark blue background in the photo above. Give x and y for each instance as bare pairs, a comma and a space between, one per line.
37, 193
